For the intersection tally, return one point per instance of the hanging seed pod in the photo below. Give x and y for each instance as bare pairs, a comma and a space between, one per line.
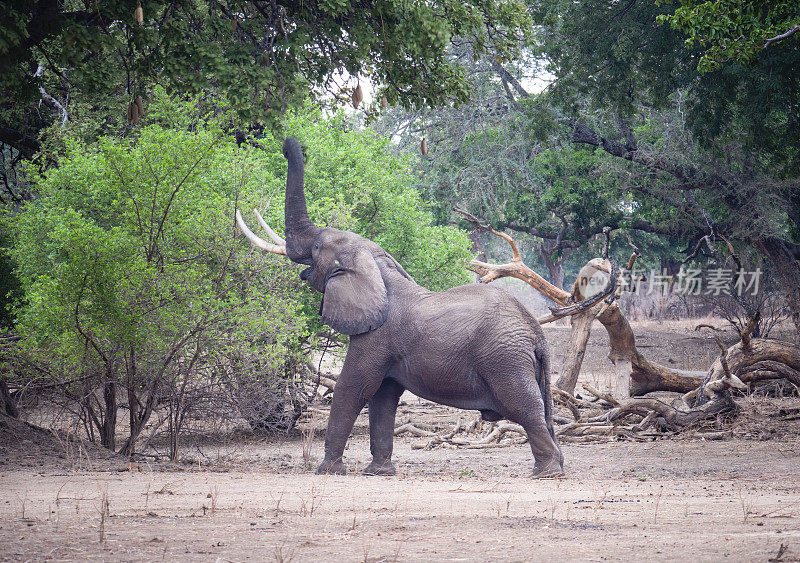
139, 14
384, 102
423, 147
134, 113
234, 25
139, 106
129, 114
358, 96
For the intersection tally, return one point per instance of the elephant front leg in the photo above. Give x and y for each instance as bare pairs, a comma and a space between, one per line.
356, 385
382, 411
344, 411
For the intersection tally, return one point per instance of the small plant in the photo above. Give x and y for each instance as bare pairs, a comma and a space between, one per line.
747, 506
308, 439
213, 495
147, 496
283, 554
499, 506
366, 552
278, 503
104, 512
658, 500
599, 499
24, 499
467, 473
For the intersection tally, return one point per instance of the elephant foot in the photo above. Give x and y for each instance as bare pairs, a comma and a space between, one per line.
385, 468
547, 470
328, 467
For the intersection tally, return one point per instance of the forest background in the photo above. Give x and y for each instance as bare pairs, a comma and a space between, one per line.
129, 134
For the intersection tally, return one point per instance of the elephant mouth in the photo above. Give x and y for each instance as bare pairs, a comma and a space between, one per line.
335, 272
305, 274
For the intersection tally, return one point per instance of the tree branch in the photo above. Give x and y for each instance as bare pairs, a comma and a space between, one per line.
689, 176
508, 77
782, 36
24, 143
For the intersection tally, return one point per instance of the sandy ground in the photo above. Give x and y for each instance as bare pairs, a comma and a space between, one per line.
252, 499
666, 500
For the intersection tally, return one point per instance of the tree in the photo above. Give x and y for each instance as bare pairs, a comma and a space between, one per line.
734, 31
482, 159
735, 175
683, 154
503, 157
132, 275
136, 284
262, 58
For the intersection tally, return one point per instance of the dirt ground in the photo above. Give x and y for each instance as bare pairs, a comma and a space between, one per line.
254, 499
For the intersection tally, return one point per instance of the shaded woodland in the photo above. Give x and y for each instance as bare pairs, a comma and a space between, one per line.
605, 145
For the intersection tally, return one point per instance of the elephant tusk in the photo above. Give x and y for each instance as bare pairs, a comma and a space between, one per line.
256, 240
272, 234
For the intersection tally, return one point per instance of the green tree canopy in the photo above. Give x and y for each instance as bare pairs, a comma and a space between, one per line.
81, 57
733, 30
725, 157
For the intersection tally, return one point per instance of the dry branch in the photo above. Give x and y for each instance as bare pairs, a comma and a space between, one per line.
568, 401
515, 269
318, 378
500, 430
600, 395
411, 429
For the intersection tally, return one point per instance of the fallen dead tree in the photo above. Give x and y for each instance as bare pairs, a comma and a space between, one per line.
706, 395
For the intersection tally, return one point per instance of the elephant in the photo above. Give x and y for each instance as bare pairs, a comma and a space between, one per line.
472, 347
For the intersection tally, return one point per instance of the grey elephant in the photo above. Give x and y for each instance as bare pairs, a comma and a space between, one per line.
472, 347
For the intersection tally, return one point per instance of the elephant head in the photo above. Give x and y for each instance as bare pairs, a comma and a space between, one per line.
343, 266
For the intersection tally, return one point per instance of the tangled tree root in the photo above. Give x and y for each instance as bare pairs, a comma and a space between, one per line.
493, 438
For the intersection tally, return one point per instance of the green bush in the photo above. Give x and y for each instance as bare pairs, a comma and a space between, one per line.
136, 283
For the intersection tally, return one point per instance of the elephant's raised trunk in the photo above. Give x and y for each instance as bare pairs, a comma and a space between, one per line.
300, 231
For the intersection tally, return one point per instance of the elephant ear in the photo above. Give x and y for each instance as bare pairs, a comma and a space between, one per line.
355, 299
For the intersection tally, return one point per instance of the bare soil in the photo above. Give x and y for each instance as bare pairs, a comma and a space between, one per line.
253, 499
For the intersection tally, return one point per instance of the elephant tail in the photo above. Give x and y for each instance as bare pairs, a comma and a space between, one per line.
543, 378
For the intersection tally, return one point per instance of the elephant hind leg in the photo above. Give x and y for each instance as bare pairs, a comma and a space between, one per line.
521, 401
382, 411
548, 459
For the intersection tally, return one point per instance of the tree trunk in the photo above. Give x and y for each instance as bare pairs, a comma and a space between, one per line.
555, 267
478, 248
670, 266
578, 337
139, 414
746, 359
108, 431
787, 269
647, 376
7, 403
644, 375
